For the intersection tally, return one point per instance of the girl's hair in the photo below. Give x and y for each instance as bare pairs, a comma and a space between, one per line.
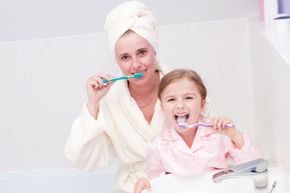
178, 74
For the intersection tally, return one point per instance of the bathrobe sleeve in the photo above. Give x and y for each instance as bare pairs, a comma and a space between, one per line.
88, 145
154, 164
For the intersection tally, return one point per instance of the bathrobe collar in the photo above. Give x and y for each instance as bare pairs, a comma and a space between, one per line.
146, 130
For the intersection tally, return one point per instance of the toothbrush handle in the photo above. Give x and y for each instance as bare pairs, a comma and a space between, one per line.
106, 81
115, 79
228, 125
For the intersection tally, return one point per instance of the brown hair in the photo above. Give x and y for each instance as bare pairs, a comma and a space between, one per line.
178, 74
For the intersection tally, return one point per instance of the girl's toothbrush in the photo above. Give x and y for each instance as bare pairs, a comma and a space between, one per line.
185, 125
137, 75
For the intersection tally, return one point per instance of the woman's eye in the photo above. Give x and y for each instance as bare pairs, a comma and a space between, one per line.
124, 57
170, 100
142, 52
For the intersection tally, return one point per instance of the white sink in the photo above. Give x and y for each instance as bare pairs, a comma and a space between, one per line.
200, 184
203, 184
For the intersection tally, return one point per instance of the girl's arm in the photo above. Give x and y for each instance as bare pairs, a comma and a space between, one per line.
249, 151
240, 148
236, 137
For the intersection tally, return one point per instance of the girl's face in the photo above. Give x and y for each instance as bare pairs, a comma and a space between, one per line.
135, 55
181, 99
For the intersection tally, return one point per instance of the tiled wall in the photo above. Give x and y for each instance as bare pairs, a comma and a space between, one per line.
219, 52
271, 93
42, 91
43, 84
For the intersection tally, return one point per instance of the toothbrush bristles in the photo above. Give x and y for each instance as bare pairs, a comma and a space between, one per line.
182, 125
138, 75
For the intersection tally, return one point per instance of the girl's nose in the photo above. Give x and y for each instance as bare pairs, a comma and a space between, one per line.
180, 104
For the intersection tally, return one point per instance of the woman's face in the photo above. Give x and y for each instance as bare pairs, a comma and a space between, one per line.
181, 100
135, 55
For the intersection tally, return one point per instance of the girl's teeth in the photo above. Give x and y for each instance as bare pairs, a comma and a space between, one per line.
181, 119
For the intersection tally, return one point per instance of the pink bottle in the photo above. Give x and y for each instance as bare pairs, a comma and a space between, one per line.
262, 14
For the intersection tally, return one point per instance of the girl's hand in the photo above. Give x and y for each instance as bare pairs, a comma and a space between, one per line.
142, 183
219, 124
96, 90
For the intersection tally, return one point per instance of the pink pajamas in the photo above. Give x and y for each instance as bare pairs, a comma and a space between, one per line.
168, 153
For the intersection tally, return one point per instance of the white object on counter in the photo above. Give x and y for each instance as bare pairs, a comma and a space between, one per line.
282, 25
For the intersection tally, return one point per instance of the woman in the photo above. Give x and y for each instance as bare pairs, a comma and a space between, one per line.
123, 116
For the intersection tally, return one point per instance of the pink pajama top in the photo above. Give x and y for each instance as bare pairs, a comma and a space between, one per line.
168, 153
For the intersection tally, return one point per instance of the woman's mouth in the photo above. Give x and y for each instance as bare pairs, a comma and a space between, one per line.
139, 72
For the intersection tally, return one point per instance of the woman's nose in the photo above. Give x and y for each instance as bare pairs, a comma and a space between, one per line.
136, 64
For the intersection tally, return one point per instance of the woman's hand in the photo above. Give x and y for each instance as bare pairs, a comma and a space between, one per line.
219, 123
142, 183
96, 90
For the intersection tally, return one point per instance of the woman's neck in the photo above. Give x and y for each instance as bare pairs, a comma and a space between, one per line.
146, 96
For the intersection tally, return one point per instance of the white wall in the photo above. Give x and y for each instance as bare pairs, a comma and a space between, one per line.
42, 90
30, 19
270, 67
42, 84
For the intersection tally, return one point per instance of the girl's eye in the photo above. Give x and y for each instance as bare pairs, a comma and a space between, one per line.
189, 98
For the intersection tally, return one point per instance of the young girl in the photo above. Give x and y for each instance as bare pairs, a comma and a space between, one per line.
187, 151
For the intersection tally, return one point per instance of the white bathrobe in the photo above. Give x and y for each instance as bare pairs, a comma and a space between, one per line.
121, 127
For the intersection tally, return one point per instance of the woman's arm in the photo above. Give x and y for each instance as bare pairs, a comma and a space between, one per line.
154, 163
88, 145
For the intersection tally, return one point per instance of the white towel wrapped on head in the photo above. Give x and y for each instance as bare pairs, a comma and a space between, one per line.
131, 15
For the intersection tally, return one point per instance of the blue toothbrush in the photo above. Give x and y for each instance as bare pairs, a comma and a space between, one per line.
137, 75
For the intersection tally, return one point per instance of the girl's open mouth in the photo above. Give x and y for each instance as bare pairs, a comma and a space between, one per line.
181, 118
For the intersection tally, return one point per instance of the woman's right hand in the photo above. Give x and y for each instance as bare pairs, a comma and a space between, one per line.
142, 184
96, 90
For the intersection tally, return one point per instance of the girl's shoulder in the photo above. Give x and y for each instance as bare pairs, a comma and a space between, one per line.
166, 137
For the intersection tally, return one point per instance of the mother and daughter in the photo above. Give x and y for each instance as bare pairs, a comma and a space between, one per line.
124, 117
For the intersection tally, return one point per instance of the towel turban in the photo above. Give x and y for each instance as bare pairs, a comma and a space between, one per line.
131, 15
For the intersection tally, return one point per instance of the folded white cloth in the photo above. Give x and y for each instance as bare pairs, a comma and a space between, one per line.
131, 15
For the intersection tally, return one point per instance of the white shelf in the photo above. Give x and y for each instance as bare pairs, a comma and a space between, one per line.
279, 40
